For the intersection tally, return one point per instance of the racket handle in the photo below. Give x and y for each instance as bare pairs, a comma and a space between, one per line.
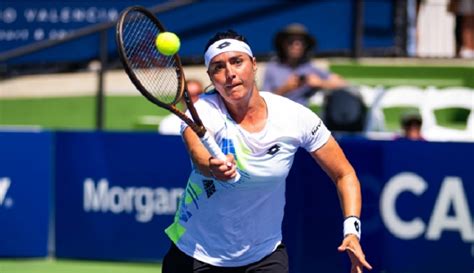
216, 152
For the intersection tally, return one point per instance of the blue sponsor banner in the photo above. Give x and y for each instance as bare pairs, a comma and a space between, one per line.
116, 193
331, 22
26, 22
25, 191
417, 208
427, 206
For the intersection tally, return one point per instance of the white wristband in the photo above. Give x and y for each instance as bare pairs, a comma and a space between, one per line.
352, 225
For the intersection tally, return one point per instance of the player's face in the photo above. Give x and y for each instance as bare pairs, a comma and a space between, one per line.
233, 75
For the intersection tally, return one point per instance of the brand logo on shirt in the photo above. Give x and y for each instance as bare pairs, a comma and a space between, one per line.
316, 128
274, 149
209, 187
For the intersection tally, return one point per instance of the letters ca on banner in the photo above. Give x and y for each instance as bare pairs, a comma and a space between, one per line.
450, 211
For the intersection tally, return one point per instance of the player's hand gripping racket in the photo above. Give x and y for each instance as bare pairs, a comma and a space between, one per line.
158, 77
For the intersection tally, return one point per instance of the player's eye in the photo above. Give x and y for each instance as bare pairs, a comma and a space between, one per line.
216, 67
236, 61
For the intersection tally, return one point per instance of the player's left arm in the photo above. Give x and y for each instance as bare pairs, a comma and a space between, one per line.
333, 161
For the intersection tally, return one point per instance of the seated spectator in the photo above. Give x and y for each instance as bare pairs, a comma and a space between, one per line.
291, 73
171, 124
411, 127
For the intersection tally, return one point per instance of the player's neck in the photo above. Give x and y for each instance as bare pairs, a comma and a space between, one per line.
253, 116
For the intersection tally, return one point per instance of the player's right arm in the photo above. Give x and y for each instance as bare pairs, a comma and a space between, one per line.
204, 162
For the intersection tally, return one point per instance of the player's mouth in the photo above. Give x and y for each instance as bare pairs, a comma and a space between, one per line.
232, 87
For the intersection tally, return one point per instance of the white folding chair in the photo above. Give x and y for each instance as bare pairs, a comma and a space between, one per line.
368, 93
452, 97
398, 96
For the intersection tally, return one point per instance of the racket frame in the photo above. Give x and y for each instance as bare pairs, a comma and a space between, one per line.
195, 123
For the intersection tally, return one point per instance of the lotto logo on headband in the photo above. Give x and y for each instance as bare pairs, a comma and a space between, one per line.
226, 45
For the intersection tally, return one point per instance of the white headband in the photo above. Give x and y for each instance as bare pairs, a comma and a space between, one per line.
225, 45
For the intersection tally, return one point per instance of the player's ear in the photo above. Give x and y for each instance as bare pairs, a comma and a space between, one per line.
254, 64
209, 75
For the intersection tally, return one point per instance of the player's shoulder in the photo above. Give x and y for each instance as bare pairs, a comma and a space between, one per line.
287, 110
209, 98
209, 101
282, 102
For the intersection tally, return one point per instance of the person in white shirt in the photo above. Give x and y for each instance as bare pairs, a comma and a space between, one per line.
171, 124
235, 226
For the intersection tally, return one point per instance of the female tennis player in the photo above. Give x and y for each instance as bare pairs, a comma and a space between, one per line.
224, 226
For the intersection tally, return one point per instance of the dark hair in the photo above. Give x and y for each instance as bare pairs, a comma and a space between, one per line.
229, 34
411, 119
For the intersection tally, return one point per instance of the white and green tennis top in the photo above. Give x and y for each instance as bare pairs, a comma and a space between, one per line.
236, 224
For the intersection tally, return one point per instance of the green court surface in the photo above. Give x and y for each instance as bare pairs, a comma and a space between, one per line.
74, 266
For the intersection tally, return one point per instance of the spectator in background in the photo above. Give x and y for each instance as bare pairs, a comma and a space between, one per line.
411, 127
463, 10
291, 73
171, 124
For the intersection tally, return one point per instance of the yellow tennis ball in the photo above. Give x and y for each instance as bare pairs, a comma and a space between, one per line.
167, 43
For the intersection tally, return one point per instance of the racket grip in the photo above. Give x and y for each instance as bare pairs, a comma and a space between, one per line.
216, 152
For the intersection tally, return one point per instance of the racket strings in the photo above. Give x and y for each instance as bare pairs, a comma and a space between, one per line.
155, 71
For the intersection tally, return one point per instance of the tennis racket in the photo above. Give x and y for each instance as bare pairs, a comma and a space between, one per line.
158, 77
